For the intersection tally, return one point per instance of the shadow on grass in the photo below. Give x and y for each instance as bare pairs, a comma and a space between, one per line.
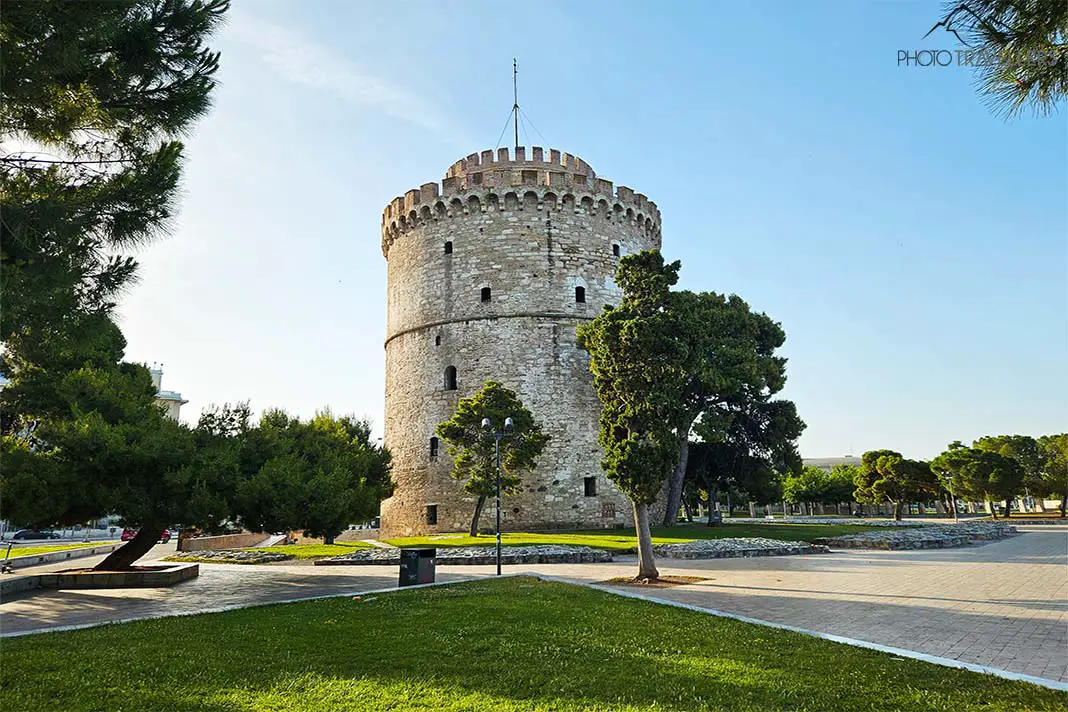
513, 644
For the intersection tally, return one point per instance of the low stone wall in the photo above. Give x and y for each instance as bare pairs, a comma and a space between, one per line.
357, 534
1041, 520
144, 577
858, 521
226, 541
933, 537
11, 585
50, 557
480, 555
736, 548
231, 556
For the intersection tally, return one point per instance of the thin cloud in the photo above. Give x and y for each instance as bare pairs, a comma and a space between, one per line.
304, 61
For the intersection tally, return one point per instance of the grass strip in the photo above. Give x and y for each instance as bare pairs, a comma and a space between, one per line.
515, 644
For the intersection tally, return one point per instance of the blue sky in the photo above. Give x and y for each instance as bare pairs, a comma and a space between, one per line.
913, 245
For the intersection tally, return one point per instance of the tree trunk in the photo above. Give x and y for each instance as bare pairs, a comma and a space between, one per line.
752, 510
1008, 508
993, 510
646, 564
328, 539
123, 558
478, 514
711, 494
897, 510
688, 509
674, 496
1064, 501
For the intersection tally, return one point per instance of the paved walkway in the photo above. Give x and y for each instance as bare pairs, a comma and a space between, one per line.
1002, 604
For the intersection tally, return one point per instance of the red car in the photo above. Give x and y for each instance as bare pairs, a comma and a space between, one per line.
128, 534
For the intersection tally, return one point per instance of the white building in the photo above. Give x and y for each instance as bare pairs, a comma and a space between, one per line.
170, 401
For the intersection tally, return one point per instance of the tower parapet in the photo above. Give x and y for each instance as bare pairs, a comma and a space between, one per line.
557, 180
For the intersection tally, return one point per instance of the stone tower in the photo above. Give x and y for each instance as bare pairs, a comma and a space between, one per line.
489, 274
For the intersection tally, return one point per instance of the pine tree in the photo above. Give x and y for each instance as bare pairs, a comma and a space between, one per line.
96, 93
1019, 49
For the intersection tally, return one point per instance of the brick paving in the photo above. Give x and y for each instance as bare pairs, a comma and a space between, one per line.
1003, 604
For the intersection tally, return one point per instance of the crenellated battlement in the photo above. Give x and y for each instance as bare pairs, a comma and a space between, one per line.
539, 159
496, 181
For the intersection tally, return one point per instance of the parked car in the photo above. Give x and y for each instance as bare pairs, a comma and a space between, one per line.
128, 534
36, 534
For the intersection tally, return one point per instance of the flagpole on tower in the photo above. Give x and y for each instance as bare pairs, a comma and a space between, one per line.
515, 99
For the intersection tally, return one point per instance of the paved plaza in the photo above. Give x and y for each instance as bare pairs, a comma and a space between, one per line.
1003, 604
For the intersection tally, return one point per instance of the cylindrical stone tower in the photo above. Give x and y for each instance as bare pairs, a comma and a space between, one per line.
489, 275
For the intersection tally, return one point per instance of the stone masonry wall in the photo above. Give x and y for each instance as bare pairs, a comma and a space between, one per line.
531, 237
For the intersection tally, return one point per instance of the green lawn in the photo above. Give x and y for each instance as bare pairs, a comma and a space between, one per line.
315, 551
46, 548
623, 539
511, 644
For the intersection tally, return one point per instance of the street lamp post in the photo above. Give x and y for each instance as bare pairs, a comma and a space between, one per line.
487, 425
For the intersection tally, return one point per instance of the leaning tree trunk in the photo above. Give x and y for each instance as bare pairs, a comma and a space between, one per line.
674, 496
478, 514
123, 558
646, 565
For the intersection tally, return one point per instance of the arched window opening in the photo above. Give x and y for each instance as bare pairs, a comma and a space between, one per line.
448, 247
437, 340
615, 249
433, 447
486, 296
580, 295
431, 514
450, 378
590, 486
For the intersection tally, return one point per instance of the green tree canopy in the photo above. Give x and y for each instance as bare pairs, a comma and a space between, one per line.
318, 475
840, 483
113, 451
884, 475
639, 374
730, 375
1054, 451
1024, 449
810, 485
98, 91
474, 450
979, 474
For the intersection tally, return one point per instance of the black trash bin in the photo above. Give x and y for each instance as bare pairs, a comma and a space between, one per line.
417, 566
